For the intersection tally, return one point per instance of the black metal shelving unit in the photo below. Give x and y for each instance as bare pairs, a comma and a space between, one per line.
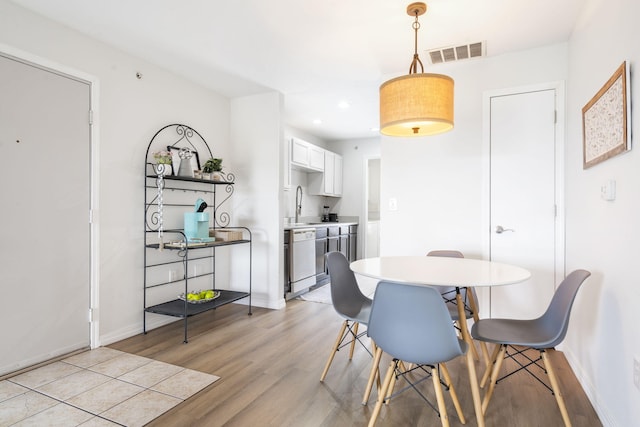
167, 197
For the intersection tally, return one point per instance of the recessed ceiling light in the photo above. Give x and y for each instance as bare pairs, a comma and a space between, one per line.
343, 105
317, 122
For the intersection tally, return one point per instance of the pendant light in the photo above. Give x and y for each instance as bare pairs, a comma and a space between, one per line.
417, 104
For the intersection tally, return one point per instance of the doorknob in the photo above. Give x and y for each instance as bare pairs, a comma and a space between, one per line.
500, 229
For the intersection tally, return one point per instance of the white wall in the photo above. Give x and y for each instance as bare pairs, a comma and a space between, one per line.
256, 138
604, 237
438, 180
130, 112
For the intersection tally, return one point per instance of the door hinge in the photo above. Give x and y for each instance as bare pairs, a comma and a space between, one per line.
90, 117
90, 216
91, 315
555, 117
555, 211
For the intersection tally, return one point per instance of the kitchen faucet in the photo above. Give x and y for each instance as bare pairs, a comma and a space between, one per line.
298, 203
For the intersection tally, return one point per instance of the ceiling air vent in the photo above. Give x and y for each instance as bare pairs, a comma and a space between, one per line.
456, 53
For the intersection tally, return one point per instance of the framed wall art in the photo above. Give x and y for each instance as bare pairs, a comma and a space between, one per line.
606, 121
185, 160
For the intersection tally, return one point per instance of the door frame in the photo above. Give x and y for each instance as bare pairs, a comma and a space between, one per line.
559, 170
93, 217
362, 231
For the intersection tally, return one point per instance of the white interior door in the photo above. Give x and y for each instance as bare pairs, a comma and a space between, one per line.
523, 198
45, 175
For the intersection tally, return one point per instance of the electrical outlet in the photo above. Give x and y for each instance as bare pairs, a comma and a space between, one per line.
196, 270
173, 275
636, 372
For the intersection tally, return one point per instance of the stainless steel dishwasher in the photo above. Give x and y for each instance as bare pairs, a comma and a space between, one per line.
302, 247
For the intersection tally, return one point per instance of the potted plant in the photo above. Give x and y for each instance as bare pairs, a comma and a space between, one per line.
163, 162
213, 166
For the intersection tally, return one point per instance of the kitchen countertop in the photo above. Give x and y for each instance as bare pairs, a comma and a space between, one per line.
318, 224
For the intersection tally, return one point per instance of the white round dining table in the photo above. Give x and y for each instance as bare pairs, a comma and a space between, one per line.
442, 271
446, 271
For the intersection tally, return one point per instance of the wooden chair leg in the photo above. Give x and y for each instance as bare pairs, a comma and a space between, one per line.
452, 392
475, 390
353, 341
334, 349
435, 376
494, 377
383, 392
489, 368
378, 378
403, 368
556, 388
375, 369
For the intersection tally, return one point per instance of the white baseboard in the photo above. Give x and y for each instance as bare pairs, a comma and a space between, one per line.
256, 301
132, 330
34, 360
590, 390
156, 321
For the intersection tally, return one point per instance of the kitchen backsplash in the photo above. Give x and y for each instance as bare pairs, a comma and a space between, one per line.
311, 205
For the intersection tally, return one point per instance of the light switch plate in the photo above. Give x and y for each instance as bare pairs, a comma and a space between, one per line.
608, 190
393, 204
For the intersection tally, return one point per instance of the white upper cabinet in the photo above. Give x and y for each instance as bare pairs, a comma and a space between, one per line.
337, 175
286, 157
306, 156
328, 183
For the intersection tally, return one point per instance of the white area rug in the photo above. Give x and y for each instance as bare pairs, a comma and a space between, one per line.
323, 294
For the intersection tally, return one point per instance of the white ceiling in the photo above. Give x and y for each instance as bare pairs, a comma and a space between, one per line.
316, 53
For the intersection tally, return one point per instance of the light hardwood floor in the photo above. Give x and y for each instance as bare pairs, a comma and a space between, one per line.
270, 364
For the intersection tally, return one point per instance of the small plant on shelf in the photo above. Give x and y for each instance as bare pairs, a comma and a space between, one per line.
213, 166
163, 163
162, 157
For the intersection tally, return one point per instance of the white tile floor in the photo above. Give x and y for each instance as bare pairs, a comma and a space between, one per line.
101, 387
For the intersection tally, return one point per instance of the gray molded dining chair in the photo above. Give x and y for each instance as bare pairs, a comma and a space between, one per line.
543, 333
412, 324
349, 302
449, 292
469, 299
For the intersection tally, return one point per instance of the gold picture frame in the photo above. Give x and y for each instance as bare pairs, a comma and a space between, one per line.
606, 122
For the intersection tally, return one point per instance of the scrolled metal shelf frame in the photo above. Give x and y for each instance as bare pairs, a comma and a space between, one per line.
181, 136
165, 179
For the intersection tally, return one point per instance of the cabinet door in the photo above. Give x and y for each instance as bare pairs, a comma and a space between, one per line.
344, 245
332, 244
353, 247
287, 164
299, 152
287, 284
337, 175
328, 172
316, 158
